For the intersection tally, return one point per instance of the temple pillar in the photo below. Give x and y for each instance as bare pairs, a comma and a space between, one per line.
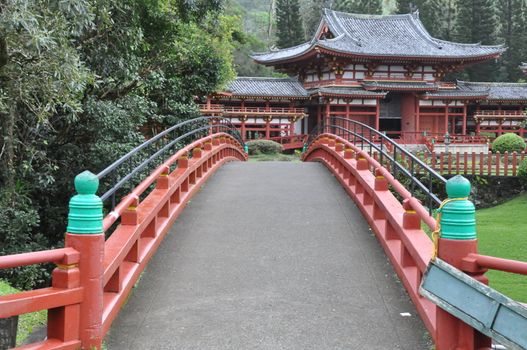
464, 130
446, 118
242, 128
377, 114
267, 128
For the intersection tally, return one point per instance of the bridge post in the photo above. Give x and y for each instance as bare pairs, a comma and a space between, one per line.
85, 234
457, 240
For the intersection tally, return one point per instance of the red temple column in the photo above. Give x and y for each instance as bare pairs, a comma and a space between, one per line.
292, 126
417, 116
446, 118
268, 128
327, 121
377, 114
464, 130
242, 131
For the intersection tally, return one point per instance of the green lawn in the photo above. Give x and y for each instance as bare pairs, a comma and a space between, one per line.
26, 322
502, 232
274, 157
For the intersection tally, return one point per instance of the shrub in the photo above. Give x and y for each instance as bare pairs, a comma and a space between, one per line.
508, 143
522, 172
264, 147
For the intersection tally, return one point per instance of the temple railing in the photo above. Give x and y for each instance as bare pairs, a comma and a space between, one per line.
382, 179
104, 255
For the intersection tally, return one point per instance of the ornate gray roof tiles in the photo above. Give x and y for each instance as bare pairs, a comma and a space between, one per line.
381, 36
497, 91
272, 87
410, 85
347, 91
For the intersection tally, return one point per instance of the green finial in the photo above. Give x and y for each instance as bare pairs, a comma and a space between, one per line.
458, 216
458, 187
85, 215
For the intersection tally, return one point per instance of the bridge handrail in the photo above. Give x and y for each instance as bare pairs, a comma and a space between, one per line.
211, 123
134, 195
499, 264
96, 274
66, 256
375, 137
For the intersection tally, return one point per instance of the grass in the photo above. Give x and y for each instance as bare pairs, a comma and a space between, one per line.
26, 322
274, 157
502, 232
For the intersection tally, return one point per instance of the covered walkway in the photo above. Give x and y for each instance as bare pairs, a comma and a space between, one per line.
269, 256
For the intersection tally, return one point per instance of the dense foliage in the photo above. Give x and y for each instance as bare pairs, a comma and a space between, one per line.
522, 172
83, 81
508, 142
263, 147
288, 25
372, 7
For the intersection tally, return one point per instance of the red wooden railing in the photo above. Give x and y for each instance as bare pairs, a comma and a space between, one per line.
263, 110
502, 113
143, 225
488, 163
397, 225
291, 141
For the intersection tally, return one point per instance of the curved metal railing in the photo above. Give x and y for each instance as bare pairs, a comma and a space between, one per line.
402, 163
151, 153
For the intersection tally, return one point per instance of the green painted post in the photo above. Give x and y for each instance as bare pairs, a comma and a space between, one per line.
246, 149
304, 149
85, 215
458, 239
85, 234
458, 216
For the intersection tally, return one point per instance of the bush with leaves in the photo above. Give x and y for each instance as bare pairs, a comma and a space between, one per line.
264, 147
522, 172
508, 143
82, 82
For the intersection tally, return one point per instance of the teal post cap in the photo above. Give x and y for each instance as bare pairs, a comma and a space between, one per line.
458, 215
246, 148
85, 209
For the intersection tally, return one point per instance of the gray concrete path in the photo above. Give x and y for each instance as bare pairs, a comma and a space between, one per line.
269, 256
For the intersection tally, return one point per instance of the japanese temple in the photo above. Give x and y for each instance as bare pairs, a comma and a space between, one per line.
385, 71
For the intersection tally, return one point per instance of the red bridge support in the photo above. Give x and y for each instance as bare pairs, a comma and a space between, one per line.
94, 277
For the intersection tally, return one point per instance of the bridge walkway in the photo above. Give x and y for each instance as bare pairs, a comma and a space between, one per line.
269, 255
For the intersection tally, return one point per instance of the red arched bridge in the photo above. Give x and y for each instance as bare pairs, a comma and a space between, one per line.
270, 255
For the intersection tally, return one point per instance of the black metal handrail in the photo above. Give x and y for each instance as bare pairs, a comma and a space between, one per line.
123, 170
368, 139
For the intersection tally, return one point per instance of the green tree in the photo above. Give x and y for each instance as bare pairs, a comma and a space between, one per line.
432, 13
373, 7
513, 19
477, 21
311, 12
288, 25
80, 82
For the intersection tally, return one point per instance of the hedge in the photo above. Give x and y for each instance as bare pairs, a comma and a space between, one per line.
264, 147
508, 143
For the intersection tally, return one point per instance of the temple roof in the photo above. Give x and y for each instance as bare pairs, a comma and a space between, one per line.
267, 87
380, 36
496, 91
399, 86
346, 91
